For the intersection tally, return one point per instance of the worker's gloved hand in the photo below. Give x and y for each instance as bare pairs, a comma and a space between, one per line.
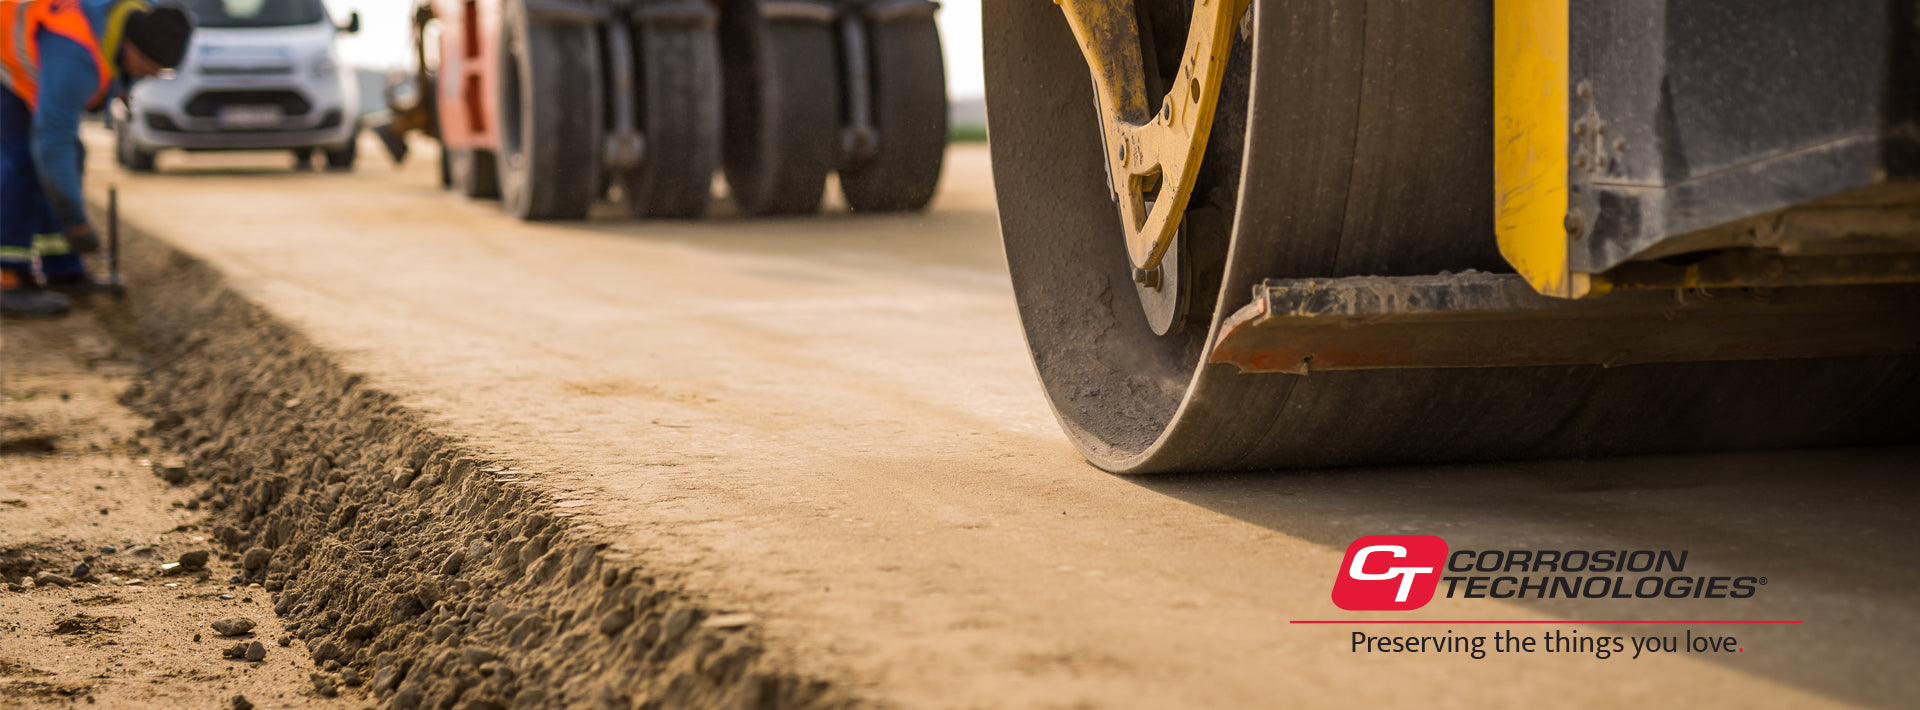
81, 239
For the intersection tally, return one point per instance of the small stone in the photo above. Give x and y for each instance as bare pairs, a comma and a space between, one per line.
233, 625
332, 665
172, 474
196, 638
238, 650
195, 559
476, 656
677, 622
386, 679
108, 549
226, 597
424, 482
323, 684
615, 621
169, 567
82, 571
451, 566
728, 621
49, 579
327, 651
351, 677
240, 702
286, 641
236, 579
407, 697
256, 559
256, 651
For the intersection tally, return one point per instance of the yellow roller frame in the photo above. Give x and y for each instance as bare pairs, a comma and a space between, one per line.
1530, 114
1146, 151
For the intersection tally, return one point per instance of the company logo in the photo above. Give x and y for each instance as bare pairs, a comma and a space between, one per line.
1403, 573
1389, 573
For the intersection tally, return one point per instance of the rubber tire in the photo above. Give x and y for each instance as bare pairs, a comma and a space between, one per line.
302, 159
549, 117
341, 159
446, 167
782, 110
128, 153
1366, 156
475, 172
909, 114
677, 76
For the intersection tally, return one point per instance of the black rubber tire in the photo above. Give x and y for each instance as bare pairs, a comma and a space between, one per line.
549, 114
782, 109
677, 77
129, 154
909, 89
303, 159
474, 172
446, 167
341, 159
1390, 175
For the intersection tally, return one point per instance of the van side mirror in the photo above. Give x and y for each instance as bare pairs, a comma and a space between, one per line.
353, 23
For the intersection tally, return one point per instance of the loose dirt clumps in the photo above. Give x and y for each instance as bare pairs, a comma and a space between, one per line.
84, 625
89, 612
400, 554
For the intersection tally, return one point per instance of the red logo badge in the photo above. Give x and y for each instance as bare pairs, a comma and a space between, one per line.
1389, 573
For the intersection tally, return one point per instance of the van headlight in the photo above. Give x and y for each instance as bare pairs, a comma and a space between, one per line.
325, 67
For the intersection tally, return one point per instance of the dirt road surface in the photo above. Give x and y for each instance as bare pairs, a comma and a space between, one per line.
97, 608
827, 430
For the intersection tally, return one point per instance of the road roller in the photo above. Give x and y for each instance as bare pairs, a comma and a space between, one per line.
550, 105
1277, 234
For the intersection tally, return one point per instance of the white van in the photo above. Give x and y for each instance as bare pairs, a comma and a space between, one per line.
259, 75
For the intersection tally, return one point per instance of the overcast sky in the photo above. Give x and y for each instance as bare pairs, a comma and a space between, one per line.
382, 42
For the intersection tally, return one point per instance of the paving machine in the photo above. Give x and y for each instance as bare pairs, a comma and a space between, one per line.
1304, 233
550, 104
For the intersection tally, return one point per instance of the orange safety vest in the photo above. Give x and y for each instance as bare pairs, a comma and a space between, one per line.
20, 25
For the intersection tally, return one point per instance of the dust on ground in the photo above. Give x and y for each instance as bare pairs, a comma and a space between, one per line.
96, 606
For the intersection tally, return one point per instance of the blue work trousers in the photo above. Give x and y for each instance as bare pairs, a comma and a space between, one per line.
27, 225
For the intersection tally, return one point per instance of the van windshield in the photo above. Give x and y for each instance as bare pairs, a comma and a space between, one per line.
255, 13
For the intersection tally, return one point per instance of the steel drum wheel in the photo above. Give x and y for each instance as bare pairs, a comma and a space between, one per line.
1365, 138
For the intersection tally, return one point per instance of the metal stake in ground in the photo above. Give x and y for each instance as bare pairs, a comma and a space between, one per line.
113, 241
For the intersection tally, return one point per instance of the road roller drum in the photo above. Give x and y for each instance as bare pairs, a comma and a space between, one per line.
1293, 233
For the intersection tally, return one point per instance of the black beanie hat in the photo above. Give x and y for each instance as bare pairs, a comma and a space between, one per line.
161, 34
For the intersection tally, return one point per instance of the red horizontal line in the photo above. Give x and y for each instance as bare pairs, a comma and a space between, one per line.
1535, 621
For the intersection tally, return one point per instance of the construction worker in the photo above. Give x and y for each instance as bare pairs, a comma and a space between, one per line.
59, 59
